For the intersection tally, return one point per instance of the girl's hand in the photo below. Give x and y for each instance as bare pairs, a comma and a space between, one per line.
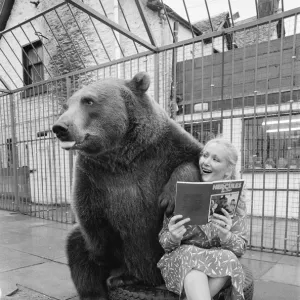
178, 229
223, 224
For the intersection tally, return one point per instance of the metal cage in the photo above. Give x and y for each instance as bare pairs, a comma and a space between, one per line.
242, 81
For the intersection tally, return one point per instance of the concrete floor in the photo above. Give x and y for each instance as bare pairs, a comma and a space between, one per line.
33, 263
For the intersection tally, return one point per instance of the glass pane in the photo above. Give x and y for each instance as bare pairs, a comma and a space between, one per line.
35, 55
36, 72
273, 143
283, 138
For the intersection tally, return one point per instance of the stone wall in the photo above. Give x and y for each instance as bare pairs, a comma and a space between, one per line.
70, 46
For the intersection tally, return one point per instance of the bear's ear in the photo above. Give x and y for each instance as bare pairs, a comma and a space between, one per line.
140, 82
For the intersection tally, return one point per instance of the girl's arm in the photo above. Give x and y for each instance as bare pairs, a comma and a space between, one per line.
165, 237
238, 240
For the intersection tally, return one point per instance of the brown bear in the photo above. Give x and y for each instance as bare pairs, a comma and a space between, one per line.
127, 150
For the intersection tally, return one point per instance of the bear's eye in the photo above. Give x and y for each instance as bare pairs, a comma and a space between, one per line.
87, 101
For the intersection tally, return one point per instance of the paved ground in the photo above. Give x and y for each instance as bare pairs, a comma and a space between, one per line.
33, 264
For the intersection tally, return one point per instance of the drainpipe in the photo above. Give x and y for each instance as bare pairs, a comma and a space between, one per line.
162, 19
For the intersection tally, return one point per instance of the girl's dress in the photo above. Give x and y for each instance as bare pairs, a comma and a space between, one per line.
201, 249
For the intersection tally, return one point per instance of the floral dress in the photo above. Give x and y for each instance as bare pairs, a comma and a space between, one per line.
201, 249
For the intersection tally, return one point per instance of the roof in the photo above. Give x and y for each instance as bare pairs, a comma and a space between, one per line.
245, 21
217, 22
250, 35
156, 5
241, 39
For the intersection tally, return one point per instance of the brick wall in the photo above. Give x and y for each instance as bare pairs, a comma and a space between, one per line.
236, 83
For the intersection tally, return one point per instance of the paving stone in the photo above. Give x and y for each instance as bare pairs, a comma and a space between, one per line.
263, 256
290, 260
275, 291
42, 246
62, 260
23, 293
258, 268
51, 279
12, 259
283, 274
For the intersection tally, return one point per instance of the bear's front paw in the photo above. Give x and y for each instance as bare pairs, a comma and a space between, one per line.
113, 282
166, 203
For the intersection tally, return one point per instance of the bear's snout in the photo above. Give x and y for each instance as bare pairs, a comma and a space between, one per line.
61, 130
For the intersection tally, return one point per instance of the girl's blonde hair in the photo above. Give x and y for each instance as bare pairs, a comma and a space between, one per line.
231, 154
232, 158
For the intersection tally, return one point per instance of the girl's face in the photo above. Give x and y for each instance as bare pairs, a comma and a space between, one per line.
213, 163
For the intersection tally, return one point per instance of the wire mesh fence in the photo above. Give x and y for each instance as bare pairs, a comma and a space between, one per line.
243, 83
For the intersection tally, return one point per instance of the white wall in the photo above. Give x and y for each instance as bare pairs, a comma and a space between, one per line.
267, 190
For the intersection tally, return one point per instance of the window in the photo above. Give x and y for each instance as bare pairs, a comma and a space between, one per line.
204, 131
33, 67
272, 143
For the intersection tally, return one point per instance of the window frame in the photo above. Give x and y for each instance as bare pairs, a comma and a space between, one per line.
28, 80
214, 128
265, 161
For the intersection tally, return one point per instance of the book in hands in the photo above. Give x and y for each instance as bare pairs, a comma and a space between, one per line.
199, 200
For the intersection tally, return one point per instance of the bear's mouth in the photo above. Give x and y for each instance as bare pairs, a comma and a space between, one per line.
67, 145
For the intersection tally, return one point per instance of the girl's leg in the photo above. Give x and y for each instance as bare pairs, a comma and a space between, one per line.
199, 287
196, 286
216, 284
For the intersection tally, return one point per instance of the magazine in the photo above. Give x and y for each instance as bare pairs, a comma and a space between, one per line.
199, 200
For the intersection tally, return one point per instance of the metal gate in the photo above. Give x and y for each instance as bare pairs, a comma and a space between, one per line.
242, 82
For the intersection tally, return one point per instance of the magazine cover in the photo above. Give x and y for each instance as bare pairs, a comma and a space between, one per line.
199, 200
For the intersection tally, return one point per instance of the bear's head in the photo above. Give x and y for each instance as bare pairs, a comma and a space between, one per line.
98, 117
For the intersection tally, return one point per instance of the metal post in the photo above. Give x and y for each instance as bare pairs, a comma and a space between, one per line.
231, 15
174, 79
14, 151
210, 22
166, 14
265, 134
156, 77
256, 7
71, 152
188, 17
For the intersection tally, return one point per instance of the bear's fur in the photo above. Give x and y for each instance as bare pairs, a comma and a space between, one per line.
127, 150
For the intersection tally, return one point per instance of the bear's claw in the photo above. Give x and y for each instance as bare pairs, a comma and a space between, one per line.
116, 281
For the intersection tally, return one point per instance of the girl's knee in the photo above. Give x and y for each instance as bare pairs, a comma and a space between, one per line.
195, 276
230, 259
229, 255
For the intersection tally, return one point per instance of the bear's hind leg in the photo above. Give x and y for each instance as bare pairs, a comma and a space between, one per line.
89, 275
